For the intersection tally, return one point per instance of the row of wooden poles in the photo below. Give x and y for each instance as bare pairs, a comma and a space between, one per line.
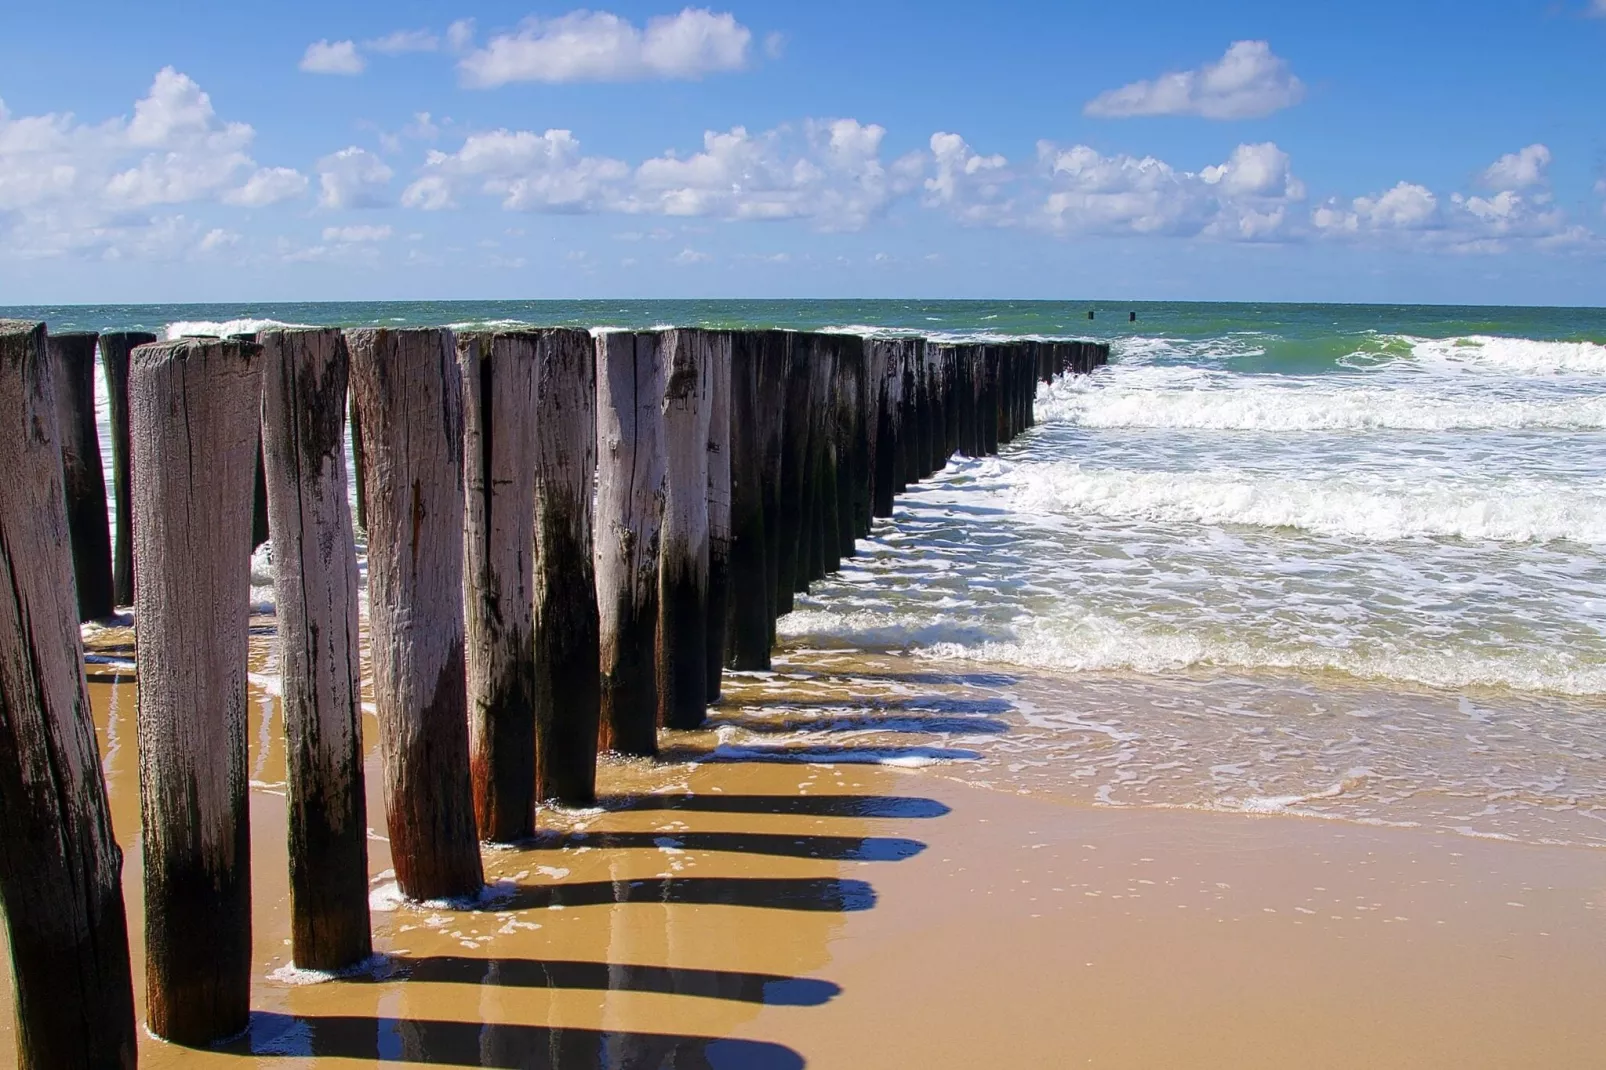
569, 538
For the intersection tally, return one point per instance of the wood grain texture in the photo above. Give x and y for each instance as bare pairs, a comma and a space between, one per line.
630, 507
751, 590
304, 385
719, 512
72, 372
195, 411
683, 547
409, 398
568, 685
499, 420
60, 866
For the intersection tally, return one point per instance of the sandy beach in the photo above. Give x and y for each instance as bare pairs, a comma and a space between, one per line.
738, 905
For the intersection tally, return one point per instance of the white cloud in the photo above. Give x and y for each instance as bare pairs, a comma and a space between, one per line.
353, 178
972, 187
1597, 8
830, 172
1248, 82
218, 238
595, 46
87, 188
269, 185
690, 256
1518, 170
400, 41
332, 57
460, 35
356, 234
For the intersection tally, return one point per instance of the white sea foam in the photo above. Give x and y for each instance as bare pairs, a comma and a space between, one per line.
1088, 642
1356, 506
224, 328
1526, 356
1188, 399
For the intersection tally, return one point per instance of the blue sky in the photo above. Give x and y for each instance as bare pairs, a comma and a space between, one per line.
1437, 152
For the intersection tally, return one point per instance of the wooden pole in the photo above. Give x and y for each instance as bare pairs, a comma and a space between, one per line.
796, 428
751, 590
304, 379
568, 687
409, 396
774, 369
719, 510
967, 392
196, 414
115, 347
852, 482
988, 400
630, 504
683, 549
60, 866
499, 418
72, 370
826, 526
886, 384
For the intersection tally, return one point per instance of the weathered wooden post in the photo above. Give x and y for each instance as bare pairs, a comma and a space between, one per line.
885, 384
196, 413
499, 418
568, 685
966, 392
630, 506
852, 482
826, 542
357, 474
72, 371
797, 430
751, 590
304, 379
115, 347
60, 865
409, 396
719, 509
683, 548
774, 371
987, 416
923, 448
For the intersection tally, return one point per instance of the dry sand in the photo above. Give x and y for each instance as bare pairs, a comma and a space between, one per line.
763, 913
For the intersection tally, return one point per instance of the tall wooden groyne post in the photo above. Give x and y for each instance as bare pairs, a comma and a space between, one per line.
304, 386
195, 410
630, 508
409, 398
60, 866
72, 371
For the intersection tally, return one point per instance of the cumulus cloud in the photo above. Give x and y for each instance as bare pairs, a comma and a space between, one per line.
332, 57
596, 46
398, 42
353, 178
100, 188
1248, 82
356, 234
1518, 170
830, 172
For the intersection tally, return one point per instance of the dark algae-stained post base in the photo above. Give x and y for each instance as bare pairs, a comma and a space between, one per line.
304, 379
72, 371
409, 398
568, 686
499, 418
688, 358
195, 405
60, 866
115, 346
630, 505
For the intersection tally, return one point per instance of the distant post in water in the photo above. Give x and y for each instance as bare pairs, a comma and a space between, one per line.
115, 346
409, 397
683, 549
630, 504
60, 866
72, 371
499, 418
196, 406
568, 686
719, 508
304, 380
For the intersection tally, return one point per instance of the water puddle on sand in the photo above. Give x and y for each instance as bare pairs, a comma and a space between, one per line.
873, 859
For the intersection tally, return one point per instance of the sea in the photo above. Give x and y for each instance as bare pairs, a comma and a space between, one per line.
1336, 562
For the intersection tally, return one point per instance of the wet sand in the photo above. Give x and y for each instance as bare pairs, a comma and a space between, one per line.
754, 910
